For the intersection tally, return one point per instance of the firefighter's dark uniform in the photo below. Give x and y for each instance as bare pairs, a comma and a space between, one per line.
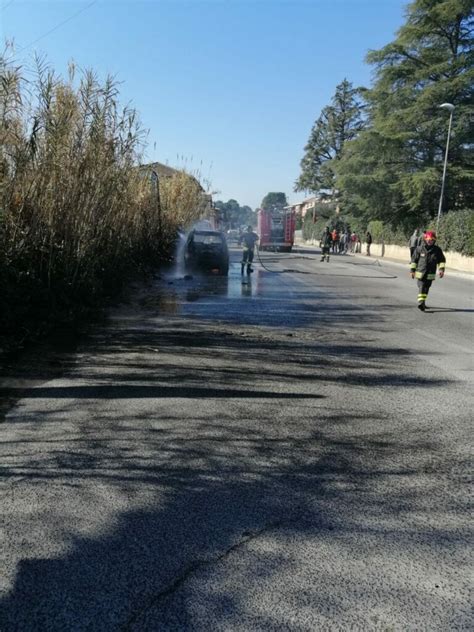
425, 259
325, 243
248, 241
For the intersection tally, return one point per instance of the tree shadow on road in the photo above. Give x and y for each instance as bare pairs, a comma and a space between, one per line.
202, 498
434, 310
119, 517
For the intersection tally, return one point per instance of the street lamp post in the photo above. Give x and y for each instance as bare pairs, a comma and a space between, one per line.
450, 107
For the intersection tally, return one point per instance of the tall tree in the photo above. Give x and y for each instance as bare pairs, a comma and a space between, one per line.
393, 170
235, 215
274, 199
338, 123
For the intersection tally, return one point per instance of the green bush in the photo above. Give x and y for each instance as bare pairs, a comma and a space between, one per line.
456, 232
376, 229
308, 227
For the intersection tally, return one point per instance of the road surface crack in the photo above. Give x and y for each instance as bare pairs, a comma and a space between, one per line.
195, 566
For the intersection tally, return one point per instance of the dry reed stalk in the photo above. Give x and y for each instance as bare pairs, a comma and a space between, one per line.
75, 212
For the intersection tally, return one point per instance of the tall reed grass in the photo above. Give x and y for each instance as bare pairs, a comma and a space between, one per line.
76, 212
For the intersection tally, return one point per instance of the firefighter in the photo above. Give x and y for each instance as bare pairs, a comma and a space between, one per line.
425, 259
335, 241
248, 241
325, 244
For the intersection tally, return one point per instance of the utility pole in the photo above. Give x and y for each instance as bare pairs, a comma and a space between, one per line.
450, 107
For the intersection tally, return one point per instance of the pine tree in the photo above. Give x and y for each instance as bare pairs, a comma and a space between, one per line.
339, 122
393, 170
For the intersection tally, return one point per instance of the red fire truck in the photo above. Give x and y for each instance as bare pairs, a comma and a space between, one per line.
276, 228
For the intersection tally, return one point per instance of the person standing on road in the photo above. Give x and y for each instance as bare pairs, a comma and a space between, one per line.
341, 243
425, 260
414, 242
325, 244
368, 240
248, 240
353, 242
335, 241
346, 239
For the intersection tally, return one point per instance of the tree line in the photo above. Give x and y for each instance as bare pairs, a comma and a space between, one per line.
378, 151
231, 215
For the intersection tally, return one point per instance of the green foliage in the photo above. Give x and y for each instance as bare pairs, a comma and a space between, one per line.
272, 200
385, 233
233, 215
392, 171
354, 224
456, 232
308, 227
316, 219
376, 229
312, 230
338, 123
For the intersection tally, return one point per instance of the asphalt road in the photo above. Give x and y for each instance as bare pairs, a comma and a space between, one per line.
287, 454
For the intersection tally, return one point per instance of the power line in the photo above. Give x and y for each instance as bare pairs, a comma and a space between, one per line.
5, 6
55, 28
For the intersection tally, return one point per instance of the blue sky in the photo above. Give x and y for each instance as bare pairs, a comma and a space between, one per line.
228, 89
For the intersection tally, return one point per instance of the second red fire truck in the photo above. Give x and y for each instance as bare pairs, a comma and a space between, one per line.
276, 228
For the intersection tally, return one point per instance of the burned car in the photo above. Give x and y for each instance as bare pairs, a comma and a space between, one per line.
206, 250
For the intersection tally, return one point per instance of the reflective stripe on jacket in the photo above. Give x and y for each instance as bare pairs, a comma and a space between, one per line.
425, 260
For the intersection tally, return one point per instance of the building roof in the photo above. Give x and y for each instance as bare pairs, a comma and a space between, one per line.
308, 200
161, 169
165, 171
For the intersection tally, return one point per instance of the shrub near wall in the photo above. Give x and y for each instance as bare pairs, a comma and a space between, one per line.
376, 229
456, 232
382, 233
312, 230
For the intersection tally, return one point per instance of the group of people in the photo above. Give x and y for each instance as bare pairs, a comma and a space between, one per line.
342, 243
426, 258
